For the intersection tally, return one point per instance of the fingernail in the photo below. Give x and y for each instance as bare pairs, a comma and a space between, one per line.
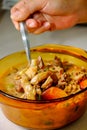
32, 25
47, 24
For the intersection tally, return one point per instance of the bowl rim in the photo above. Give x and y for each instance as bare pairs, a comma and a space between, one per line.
39, 48
42, 101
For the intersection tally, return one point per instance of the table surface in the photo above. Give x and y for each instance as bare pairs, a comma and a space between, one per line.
10, 41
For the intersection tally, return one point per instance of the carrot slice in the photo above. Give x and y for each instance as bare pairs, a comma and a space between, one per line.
53, 93
83, 84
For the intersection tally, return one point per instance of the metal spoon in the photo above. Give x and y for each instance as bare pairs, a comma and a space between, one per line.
26, 42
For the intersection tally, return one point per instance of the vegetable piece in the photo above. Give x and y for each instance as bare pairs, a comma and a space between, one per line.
83, 84
47, 83
53, 93
30, 72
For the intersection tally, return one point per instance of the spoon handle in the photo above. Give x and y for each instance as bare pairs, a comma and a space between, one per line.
26, 41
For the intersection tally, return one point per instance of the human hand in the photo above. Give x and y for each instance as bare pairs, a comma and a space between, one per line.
48, 15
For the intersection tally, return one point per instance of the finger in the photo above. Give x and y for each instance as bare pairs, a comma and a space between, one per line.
32, 25
39, 17
23, 9
16, 24
36, 22
46, 27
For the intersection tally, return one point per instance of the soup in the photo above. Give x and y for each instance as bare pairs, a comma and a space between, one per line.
44, 79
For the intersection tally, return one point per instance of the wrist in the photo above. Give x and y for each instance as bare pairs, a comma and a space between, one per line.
82, 13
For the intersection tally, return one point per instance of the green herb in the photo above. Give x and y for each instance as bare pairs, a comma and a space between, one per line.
10, 86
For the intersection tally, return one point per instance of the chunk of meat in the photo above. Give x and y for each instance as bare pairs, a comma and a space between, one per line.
47, 83
40, 62
31, 71
57, 62
18, 86
39, 77
30, 91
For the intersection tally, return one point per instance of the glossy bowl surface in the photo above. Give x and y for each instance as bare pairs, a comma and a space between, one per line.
50, 114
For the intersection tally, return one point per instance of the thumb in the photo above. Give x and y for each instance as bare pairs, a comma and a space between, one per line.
23, 9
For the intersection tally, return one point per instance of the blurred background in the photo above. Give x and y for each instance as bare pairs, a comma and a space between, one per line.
10, 41
10, 38
7, 4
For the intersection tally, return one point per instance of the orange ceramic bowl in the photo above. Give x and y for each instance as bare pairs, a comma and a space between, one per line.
48, 114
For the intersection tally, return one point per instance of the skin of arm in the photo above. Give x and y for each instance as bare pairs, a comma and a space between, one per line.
49, 15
